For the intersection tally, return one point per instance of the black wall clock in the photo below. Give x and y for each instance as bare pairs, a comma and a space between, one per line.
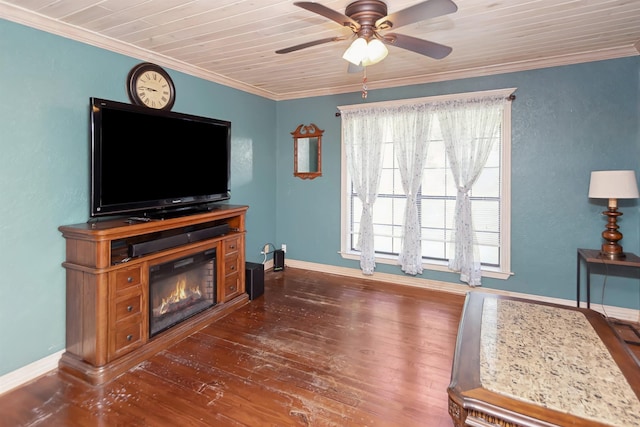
151, 86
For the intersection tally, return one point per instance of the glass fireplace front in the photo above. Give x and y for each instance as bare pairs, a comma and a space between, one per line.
181, 288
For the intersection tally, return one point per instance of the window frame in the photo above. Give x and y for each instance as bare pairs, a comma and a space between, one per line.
501, 272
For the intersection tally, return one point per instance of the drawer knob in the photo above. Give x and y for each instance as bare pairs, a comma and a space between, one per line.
129, 279
232, 288
232, 246
233, 267
129, 337
129, 308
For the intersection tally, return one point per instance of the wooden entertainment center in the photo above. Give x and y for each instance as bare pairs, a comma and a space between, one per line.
107, 313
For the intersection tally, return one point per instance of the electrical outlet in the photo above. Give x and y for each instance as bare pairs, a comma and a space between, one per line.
284, 247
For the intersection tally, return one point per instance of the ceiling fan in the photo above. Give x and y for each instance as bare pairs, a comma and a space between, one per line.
368, 18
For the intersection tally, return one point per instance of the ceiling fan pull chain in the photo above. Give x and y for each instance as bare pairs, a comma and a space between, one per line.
364, 84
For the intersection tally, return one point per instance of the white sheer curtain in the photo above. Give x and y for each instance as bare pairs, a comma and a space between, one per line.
412, 124
469, 129
363, 131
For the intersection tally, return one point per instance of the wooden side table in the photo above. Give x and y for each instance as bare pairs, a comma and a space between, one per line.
591, 258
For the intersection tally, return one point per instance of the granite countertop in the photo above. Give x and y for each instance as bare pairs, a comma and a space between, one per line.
552, 357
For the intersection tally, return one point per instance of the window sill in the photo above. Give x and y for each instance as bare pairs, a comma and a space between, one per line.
435, 266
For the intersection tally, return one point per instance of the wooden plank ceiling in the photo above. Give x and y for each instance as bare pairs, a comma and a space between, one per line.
233, 42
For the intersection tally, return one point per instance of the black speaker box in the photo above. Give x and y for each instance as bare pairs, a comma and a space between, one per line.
254, 279
278, 260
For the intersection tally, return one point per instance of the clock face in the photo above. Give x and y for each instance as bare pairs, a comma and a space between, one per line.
151, 86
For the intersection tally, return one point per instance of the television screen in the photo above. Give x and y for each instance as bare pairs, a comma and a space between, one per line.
144, 160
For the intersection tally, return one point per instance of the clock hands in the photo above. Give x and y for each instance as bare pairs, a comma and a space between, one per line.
150, 85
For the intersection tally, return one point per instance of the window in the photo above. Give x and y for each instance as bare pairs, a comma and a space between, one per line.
436, 201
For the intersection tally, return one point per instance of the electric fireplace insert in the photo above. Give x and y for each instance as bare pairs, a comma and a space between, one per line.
180, 289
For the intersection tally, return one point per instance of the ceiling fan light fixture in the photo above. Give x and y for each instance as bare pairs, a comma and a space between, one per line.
376, 52
356, 52
365, 53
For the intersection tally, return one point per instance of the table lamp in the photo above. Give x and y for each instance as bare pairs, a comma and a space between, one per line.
613, 185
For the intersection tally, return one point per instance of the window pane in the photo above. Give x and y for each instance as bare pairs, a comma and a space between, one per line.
433, 182
398, 210
388, 158
386, 181
433, 250
450, 212
383, 211
487, 239
494, 158
488, 183
485, 215
353, 241
397, 187
489, 255
433, 213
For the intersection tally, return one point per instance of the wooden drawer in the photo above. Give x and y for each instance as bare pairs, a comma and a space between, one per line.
232, 286
127, 279
231, 265
128, 335
126, 312
129, 306
231, 245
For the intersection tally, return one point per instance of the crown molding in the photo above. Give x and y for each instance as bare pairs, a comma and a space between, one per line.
40, 22
513, 67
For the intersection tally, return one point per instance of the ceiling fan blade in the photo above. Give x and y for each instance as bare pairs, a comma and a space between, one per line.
419, 12
309, 44
338, 17
423, 47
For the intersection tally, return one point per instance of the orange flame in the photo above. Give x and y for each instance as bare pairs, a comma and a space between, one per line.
180, 293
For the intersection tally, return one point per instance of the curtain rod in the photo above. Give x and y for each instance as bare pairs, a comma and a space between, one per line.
511, 97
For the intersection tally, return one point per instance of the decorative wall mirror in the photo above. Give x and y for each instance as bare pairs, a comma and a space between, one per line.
307, 151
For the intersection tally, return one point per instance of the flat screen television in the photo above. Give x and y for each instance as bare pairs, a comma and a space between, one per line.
147, 162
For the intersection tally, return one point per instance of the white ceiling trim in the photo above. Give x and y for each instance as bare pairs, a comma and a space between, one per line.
475, 72
40, 22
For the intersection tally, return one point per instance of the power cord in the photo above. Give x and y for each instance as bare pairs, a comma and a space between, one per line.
267, 248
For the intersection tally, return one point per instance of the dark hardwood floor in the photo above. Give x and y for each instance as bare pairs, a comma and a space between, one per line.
630, 333
314, 350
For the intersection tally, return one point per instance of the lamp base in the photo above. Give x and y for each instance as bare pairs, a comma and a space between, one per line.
612, 256
611, 249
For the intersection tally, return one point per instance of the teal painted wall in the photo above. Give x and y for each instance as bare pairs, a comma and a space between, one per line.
566, 121
45, 85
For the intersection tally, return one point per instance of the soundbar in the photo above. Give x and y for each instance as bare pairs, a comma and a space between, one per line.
162, 243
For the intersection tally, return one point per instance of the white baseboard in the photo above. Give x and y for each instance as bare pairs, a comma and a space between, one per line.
29, 372
32, 371
621, 313
40, 367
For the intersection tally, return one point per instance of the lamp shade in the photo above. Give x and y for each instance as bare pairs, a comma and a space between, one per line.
356, 52
618, 184
376, 52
